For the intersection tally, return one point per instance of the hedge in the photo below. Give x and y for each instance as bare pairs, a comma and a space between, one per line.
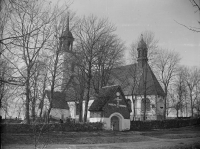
56, 127
163, 124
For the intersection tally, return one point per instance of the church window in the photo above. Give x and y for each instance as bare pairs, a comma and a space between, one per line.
147, 104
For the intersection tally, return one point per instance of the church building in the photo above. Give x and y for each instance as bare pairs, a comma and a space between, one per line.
132, 93
141, 86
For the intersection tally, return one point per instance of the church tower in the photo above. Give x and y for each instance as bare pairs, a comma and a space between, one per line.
66, 43
142, 52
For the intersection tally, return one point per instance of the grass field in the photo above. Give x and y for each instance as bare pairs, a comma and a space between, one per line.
106, 137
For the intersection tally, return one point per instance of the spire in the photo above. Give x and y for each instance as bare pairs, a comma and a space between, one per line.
142, 52
67, 37
67, 46
67, 29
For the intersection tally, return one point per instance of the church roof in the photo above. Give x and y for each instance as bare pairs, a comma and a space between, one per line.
123, 76
58, 100
129, 77
102, 98
153, 87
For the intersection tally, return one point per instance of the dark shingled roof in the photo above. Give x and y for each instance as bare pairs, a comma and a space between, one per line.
58, 101
152, 85
125, 75
102, 98
105, 94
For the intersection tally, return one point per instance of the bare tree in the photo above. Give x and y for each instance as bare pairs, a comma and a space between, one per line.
110, 56
197, 96
166, 69
32, 25
179, 91
90, 33
192, 80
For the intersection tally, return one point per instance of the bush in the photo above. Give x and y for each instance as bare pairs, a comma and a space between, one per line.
163, 124
56, 127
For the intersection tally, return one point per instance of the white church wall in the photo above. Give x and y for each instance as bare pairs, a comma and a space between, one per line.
132, 106
160, 105
89, 104
126, 124
72, 109
60, 113
151, 114
96, 119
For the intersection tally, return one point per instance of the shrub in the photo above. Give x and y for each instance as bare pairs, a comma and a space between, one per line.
163, 124
56, 127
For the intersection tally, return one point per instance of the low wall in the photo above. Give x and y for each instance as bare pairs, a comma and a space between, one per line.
44, 128
163, 124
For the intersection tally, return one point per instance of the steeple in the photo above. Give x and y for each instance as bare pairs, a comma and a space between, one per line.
66, 43
142, 52
67, 38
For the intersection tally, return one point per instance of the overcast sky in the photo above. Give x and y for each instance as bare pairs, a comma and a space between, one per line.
131, 17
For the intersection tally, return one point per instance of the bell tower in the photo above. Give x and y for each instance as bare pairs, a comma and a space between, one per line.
142, 52
66, 45
66, 38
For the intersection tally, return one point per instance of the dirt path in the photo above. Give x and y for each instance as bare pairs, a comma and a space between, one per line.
154, 143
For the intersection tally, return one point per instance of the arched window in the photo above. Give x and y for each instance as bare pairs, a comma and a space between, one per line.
147, 104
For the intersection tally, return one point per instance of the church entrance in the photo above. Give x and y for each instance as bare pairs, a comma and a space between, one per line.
115, 123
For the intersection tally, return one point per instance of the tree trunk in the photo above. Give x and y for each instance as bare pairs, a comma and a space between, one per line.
191, 103
80, 110
33, 109
27, 100
43, 93
134, 110
86, 102
165, 103
145, 90
88, 90
177, 113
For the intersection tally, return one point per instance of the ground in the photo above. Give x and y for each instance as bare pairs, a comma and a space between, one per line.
186, 137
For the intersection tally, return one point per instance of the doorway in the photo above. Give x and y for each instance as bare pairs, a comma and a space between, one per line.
115, 123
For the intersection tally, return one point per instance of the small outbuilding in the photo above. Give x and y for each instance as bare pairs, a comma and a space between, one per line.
111, 108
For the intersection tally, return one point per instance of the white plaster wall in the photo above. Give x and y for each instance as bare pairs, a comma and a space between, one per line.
57, 113
89, 104
151, 115
132, 113
96, 119
126, 124
72, 109
160, 103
